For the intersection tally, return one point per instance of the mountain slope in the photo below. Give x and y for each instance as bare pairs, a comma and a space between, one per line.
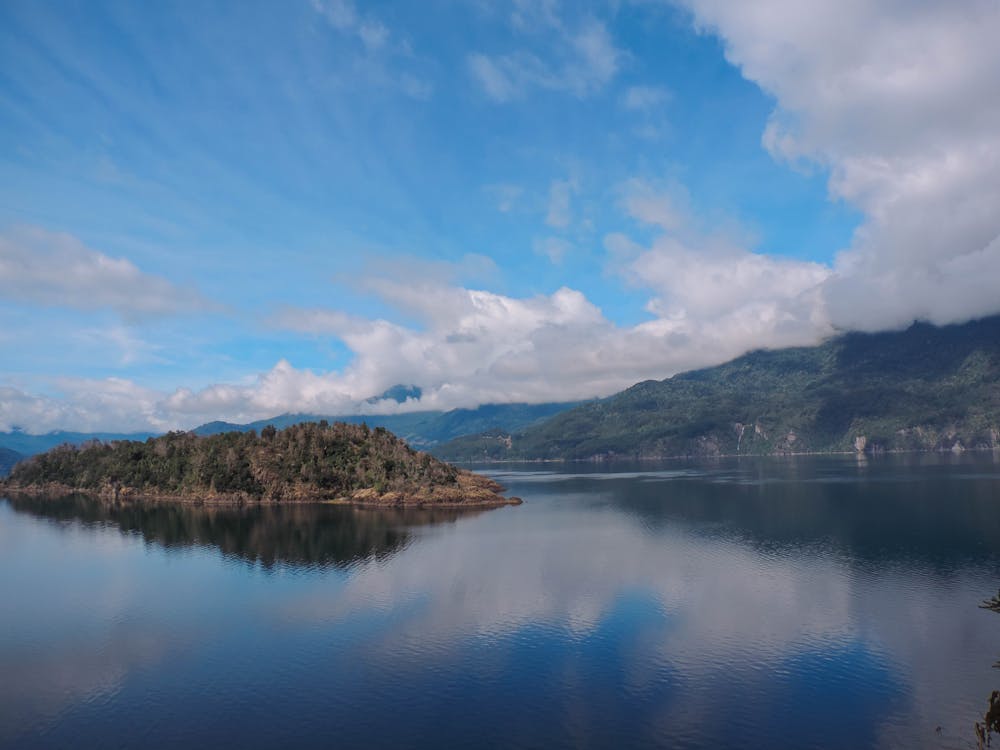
421, 429
29, 445
7, 460
919, 389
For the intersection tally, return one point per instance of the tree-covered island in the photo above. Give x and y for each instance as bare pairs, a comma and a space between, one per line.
308, 462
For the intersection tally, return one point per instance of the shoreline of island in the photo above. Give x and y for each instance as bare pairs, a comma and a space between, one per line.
473, 493
314, 462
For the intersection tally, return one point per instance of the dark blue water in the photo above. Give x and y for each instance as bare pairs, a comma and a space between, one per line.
811, 602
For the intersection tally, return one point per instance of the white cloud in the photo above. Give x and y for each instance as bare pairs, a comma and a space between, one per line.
559, 214
580, 62
497, 76
528, 15
711, 300
383, 50
121, 338
344, 16
505, 195
642, 98
663, 206
341, 14
57, 270
901, 102
84, 405
554, 248
708, 287
717, 280
415, 88
470, 346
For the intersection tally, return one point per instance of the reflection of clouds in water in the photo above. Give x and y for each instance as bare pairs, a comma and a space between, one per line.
93, 607
484, 580
38, 686
49, 662
736, 611
632, 607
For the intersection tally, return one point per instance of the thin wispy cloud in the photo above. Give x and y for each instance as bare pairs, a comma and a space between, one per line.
495, 201
45, 268
643, 98
579, 62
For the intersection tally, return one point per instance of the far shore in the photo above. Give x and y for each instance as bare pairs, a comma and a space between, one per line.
622, 458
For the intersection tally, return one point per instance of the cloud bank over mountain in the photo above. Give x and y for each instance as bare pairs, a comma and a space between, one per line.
900, 101
896, 105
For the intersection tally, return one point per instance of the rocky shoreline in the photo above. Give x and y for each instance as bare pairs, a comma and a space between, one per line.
472, 491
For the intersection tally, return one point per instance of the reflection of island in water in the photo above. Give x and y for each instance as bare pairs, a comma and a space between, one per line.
938, 509
313, 535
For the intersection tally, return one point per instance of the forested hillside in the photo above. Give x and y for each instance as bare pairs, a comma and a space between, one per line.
303, 462
925, 388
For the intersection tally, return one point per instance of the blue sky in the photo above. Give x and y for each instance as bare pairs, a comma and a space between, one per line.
230, 210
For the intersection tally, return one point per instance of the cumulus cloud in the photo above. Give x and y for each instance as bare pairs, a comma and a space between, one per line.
580, 62
901, 102
710, 300
83, 404
712, 297
53, 269
465, 347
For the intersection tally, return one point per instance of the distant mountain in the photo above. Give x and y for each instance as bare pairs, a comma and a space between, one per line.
7, 460
422, 429
399, 394
29, 445
925, 388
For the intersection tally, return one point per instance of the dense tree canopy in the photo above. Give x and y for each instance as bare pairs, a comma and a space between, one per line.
305, 459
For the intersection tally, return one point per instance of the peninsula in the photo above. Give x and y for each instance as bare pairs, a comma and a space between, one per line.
311, 462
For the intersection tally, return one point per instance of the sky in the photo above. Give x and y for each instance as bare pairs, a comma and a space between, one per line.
233, 210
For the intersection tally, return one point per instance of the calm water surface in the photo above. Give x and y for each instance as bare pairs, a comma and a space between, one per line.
821, 602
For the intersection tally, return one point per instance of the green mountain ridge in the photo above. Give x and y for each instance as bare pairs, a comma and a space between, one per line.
924, 388
28, 445
421, 429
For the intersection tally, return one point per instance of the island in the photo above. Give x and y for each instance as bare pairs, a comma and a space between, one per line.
309, 462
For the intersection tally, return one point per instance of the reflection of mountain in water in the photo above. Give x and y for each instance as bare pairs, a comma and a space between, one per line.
941, 509
299, 535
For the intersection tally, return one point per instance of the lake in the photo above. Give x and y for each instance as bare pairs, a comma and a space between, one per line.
827, 602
